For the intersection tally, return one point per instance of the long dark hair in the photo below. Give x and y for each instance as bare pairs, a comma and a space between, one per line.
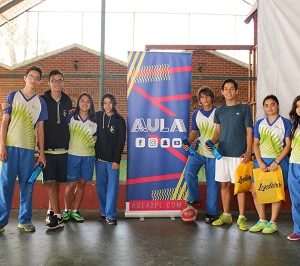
113, 102
294, 116
91, 112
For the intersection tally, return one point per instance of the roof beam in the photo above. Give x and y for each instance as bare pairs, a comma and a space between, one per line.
10, 5
198, 47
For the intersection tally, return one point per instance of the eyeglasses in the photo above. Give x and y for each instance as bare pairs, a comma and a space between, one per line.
31, 77
55, 81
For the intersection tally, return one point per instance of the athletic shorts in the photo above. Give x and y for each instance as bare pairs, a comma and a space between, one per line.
225, 169
56, 168
80, 167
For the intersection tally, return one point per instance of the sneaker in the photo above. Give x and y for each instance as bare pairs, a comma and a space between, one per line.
48, 217
53, 224
26, 227
223, 219
293, 236
2, 229
209, 218
61, 223
270, 228
77, 217
66, 216
102, 217
259, 226
111, 221
242, 223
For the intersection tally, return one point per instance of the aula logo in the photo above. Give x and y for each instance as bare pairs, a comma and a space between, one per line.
157, 125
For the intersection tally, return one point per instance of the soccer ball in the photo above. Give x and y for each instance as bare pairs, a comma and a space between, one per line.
189, 214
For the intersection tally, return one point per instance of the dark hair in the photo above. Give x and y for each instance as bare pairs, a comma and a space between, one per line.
271, 97
112, 99
294, 116
34, 68
207, 91
91, 112
235, 84
55, 72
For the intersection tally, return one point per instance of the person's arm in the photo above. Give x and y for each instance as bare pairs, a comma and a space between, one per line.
41, 142
274, 165
249, 137
215, 139
193, 135
121, 144
4, 128
257, 153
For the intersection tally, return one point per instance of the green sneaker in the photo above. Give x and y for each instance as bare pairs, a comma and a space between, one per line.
66, 216
270, 228
242, 223
76, 216
259, 226
223, 219
26, 227
2, 229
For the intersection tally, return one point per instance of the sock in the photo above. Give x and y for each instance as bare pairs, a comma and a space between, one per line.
75, 210
58, 215
242, 216
227, 213
264, 221
66, 210
48, 212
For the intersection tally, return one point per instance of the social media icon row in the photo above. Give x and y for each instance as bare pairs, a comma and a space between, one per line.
155, 143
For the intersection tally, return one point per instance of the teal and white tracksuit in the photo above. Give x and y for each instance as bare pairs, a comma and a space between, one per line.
294, 180
203, 122
20, 144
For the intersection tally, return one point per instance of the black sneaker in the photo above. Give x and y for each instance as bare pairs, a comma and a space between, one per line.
48, 217
61, 223
210, 218
111, 221
102, 218
53, 224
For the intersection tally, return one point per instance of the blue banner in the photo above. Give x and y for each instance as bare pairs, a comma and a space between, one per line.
159, 87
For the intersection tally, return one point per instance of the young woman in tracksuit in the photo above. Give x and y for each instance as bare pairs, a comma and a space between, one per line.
111, 136
294, 169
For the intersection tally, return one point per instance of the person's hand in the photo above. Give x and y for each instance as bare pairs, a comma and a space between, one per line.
273, 166
185, 147
246, 157
115, 166
3, 153
263, 167
42, 159
5, 105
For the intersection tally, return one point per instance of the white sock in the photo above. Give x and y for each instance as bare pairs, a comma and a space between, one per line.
227, 213
242, 216
58, 215
48, 212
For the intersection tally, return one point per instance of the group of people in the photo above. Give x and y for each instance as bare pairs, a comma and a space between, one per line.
274, 140
72, 142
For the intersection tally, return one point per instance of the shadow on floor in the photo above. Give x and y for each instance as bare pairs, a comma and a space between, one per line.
156, 241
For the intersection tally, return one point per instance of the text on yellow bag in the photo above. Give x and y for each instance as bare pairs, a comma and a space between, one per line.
269, 186
243, 176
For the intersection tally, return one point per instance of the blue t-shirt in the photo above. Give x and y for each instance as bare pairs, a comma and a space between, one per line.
233, 121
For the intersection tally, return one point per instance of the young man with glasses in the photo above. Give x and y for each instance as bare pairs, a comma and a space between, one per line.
25, 112
57, 138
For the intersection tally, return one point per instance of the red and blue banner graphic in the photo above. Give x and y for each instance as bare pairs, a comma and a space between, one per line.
159, 87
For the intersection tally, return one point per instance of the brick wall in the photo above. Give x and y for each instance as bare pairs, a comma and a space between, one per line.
87, 79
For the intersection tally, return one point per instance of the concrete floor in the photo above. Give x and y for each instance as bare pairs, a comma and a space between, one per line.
158, 241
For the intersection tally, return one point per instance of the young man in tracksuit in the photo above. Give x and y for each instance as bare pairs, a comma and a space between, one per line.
25, 112
57, 138
111, 136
